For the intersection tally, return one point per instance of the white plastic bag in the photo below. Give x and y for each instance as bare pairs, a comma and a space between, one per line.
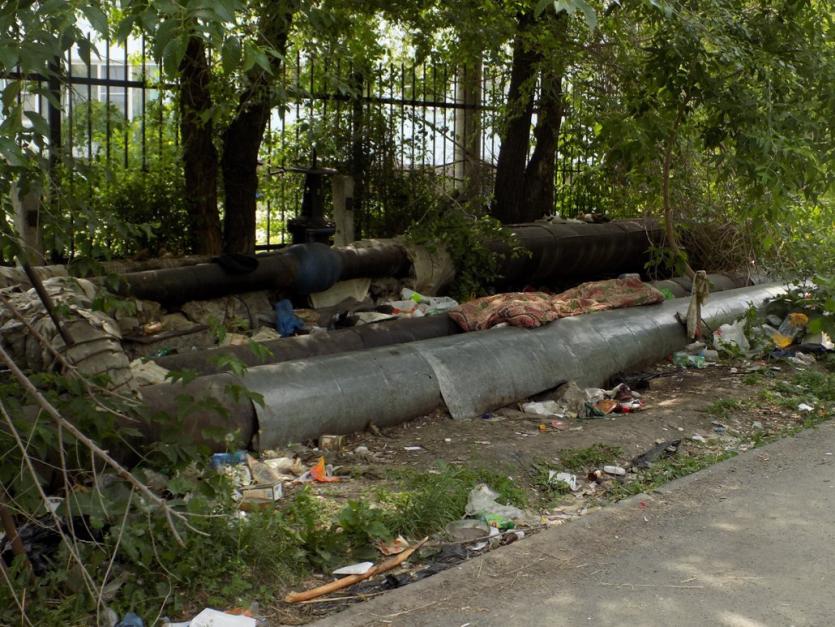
732, 336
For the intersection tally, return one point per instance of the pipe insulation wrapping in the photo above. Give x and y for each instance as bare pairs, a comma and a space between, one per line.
473, 372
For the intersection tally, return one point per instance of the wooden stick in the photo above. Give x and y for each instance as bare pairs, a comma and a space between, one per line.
94, 448
43, 295
11, 532
350, 580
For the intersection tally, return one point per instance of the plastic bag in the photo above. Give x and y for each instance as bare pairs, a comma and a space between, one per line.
482, 504
732, 336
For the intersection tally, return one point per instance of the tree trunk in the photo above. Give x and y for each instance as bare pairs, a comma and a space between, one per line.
241, 143
200, 165
539, 175
513, 154
242, 138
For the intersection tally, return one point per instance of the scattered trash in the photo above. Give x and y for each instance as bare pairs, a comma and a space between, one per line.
789, 330
718, 427
215, 618
416, 305
359, 568
683, 359
339, 584
570, 480
320, 473
262, 495
287, 467
757, 425
228, 459
492, 540
802, 360
695, 348
732, 337
147, 372
413, 448
543, 408
614, 470
805, 407
627, 407
817, 343
482, 504
131, 620
286, 321
394, 547
606, 405
664, 449
265, 334
331, 442
513, 536
467, 530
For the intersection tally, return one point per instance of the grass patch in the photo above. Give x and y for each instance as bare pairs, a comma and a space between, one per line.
594, 456
550, 492
724, 408
665, 470
425, 502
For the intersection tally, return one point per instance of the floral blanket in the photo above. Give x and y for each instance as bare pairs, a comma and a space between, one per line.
533, 309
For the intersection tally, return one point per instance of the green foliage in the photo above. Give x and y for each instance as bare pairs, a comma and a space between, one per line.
665, 470
592, 457
471, 241
817, 300
550, 490
724, 408
428, 501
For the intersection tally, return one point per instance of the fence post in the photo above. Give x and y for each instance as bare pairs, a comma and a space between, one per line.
27, 223
343, 209
467, 153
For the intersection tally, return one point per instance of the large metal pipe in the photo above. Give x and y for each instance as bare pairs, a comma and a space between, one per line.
579, 250
555, 250
370, 336
324, 343
469, 373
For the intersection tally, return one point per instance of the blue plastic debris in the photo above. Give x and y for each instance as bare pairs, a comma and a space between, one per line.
286, 322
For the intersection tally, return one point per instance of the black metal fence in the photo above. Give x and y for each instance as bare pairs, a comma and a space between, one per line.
395, 127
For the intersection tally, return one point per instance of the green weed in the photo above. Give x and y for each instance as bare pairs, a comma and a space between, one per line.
665, 470
724, 408
591, 457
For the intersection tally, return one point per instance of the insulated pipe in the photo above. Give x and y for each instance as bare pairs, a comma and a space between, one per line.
555, 250
324, 343
567, 249
305, 268
371, 335
469, 373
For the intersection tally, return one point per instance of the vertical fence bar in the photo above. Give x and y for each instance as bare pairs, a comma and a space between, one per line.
127, 101
144, 95
434, 115
282, 195
444, 125
296, 128
160, 107
70, 94
89, 106
107, 100
402, 115
269, 172
423, 115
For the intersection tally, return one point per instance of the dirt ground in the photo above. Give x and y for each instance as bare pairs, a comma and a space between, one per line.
679, 404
